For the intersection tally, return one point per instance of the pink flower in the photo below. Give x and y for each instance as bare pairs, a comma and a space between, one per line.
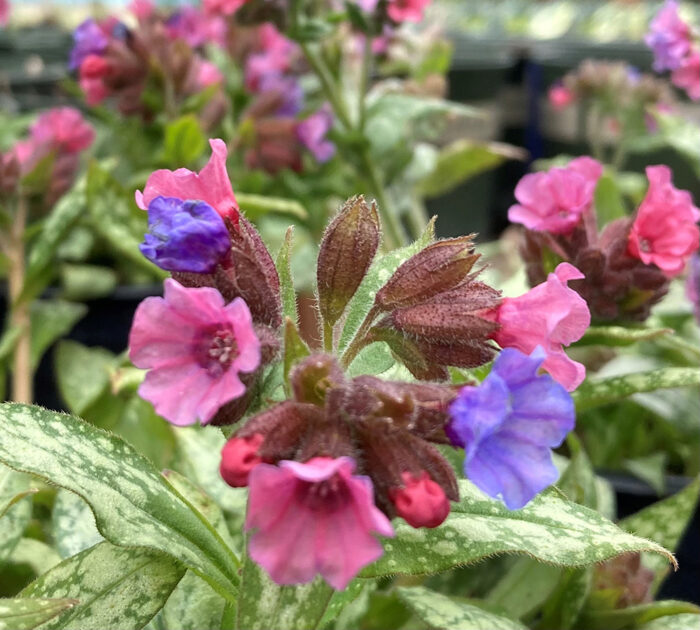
669, 37
142, 9
313, 518
94, 90
63, 129
194, 346
208, 74
210, 185
407, 10
4, 12
665, 231
687, 75
550, 315
274, 58
554, 201
223, 7
560, 97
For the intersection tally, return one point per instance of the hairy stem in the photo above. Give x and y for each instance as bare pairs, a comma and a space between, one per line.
360, 340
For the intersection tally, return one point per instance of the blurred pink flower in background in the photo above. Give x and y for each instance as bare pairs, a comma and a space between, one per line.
687, 75
560, 96
407, 10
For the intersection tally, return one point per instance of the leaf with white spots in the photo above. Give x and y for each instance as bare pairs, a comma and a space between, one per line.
73, 524
263, 604
133, 504
35, 554
685, 621
15, 509
379, 273
635, 616
549, 529
444, 613
25, 614
118, 588
193, 605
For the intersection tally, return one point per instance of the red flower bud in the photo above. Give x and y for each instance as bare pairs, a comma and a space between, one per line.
238, 457
94, 67
346, 252
421, 502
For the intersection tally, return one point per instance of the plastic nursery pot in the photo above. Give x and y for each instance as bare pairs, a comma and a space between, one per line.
478, 78
633, 495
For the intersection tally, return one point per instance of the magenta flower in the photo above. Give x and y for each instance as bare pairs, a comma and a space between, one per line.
692, 285
550, 315
223, 7
313, 518
554, 201
668, 37
274, 58
312, 134
687, 75
194, 346
207, 74
560, 96
665, 231
407, 10
4, 12
63, 129
210, 185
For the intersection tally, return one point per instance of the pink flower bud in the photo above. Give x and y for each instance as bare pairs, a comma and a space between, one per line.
421, 502
238, 457
94, 67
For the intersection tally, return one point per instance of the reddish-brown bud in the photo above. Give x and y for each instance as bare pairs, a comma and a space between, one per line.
435, 269
313, 376
420, 502
95, 67
9, 173
346, 252
238, 457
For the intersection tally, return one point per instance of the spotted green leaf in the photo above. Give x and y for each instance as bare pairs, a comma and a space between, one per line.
564, 607
634, 616
444, 613
73, 524
381, 270
595, 392
15, 509
193, 605
263, 604
132, 502
118, 588
620, 335
284, 270
684, 621
25, 614
35, 554
550, 529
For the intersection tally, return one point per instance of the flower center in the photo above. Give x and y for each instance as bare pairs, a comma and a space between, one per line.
644, 245
216, 349
324, 496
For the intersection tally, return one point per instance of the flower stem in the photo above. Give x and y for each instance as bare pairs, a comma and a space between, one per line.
19, 313
328, 337
360, 340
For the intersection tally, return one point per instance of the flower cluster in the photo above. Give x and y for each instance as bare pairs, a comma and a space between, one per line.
52, 152
676, 48
346, 453
628, 265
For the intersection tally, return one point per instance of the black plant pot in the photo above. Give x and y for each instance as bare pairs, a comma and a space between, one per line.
633, 495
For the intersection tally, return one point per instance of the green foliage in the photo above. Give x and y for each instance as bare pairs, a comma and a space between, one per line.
25, 614
133, 504
15, 509
549, 529
609, 203
116, 588
284, 270
51, 320
255, 206
634, 616
73, 524
185, 142
620, 335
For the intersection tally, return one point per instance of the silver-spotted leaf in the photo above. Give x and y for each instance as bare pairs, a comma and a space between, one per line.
25, 614
15, 509
73, 524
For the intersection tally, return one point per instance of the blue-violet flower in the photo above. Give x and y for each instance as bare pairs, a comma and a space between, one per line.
508, 426
88, 39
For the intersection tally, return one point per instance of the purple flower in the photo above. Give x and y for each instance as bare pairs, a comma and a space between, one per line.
289, 89
312, 134
184, 235
88, 39
692, 286
508, 425
668, 37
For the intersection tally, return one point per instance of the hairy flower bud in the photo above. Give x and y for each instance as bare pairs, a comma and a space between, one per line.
346, 252
435, 269
313, 376
420, 502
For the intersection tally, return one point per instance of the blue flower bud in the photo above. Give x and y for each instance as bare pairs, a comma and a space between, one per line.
184, 235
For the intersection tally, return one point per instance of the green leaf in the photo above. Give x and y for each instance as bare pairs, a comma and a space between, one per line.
25, 614
577, 482
445, 613
595, 392
564, 607
117, 588
64, 215
379, 273
684, 621
463, 160
87, 282
524, 588
634, 616
295, 349
549, 529
193, 605
263, 604
609, 204
284, 270
15, 509
184, 141
341, 599
133, 504
35, 554
82, 374
620, 335
255, 206
650, 469
376, 358
51, 319
73, 524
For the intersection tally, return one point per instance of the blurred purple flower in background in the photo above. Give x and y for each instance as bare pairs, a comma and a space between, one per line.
88, 39
668, 37
312, 134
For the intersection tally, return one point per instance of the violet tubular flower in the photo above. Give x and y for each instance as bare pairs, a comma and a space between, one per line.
88, 39
185, 235
508, 426
669, 37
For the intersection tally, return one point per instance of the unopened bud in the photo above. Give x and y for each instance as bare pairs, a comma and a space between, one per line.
437, 268
347, 250
421, 502
238, 457
313, 376
94, 67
